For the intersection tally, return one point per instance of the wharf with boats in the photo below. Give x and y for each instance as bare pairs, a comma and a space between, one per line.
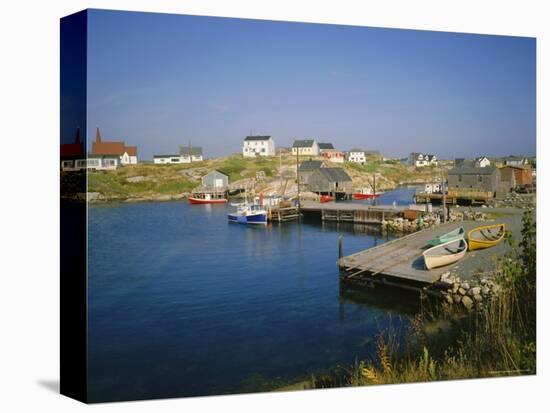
400, 262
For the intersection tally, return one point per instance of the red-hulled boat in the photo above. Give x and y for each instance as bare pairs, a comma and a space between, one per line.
207, 199
359, 195
325, 198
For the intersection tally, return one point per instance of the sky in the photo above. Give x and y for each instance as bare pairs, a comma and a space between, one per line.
159, 80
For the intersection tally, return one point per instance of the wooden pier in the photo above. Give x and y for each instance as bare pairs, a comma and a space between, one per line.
456, 198
283, 214
352, 212
398, 262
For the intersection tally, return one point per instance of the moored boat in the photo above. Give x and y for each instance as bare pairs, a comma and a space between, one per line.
486, 236
449, 236
248, 214
445, 254
207, 199
325, 198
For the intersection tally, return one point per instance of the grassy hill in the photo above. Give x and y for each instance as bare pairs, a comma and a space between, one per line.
151, 181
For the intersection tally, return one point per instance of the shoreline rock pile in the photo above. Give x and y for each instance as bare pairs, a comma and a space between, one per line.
468, 294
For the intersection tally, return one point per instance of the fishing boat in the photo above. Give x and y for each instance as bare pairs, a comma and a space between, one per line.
360, 196
449, 236
445, 254
248, 214
486, 236
205, 199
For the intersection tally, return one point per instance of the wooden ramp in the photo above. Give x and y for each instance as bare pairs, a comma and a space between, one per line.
400, 260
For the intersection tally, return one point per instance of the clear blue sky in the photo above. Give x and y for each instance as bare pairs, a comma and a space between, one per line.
160, 80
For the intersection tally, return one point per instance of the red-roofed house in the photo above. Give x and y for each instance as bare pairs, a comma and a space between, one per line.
71, 153
128, 154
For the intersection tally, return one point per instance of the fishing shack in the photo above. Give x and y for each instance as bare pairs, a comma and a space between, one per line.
330, 181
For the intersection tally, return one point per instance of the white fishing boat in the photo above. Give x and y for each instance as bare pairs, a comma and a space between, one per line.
248, 214
445, 254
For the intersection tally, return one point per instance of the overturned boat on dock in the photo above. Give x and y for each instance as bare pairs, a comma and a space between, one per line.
445, 254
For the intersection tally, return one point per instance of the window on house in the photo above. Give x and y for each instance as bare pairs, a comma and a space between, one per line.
459, 178
480, 178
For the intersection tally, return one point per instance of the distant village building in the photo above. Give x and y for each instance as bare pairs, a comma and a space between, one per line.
357, 156
305, 147
306, 168
70, 153
103, 162
215, 179
471, 178
482, 162
325, 147
422, 159
515, 161
459, 161
433, 188
333, 155
168, 159
327, 181
521, 176
507, 179
187, 154
256, 145
191, 153
127, 154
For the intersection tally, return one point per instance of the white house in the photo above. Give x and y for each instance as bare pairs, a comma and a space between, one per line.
357, 156
433, 188
167, 159
482, 162
305, 147
323, 147
422, 159
258, 146
515, 161
191, 154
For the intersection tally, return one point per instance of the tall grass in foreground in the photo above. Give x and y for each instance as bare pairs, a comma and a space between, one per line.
446, 343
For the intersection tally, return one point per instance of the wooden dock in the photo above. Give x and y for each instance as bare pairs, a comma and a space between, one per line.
398, 262
456, 198
352, 212
283, 214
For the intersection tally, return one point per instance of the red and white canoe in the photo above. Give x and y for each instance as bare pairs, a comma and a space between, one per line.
193, 200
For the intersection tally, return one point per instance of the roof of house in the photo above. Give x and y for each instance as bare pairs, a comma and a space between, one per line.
215, 171
303, 143
72, 149
326, 146
310, 165
131, 150
108, 148
257, 138
469, 170
195, 150
334, 174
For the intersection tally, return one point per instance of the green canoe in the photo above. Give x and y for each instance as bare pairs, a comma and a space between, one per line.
449, 236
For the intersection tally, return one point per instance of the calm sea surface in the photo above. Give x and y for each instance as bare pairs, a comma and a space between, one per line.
183, 303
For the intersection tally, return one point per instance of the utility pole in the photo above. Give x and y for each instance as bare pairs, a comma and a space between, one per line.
281, 168
298, 174
444, 197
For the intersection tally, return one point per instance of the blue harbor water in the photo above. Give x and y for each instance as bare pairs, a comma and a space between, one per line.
183, 303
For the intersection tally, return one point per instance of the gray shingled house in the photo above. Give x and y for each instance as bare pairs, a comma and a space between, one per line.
306, 168
472, 178
330, 181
